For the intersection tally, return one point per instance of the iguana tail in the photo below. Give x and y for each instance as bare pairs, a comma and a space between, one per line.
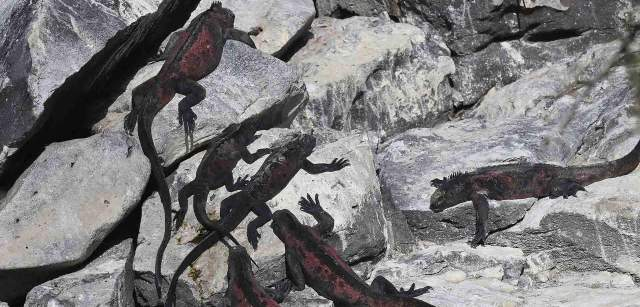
589, 174
149, 149
230, 222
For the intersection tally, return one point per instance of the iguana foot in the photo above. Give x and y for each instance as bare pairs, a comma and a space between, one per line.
255, 31
253, 236
308, 205
178, 218
478, 239
565, 188
413, 292
188, 119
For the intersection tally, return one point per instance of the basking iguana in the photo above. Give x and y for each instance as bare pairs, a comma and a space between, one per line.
243, 290
273, 176
192, 55
216, 169
522, 180
311, 261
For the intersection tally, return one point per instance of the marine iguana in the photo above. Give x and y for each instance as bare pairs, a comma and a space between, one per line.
521, 180
193, 54
310, 260
216, 168
273, 176
243, 290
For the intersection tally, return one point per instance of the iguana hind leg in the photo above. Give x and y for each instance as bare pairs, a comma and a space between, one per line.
194, 93
264, 216
564, 187
187, 191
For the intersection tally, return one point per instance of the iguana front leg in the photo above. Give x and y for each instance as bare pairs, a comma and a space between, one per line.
481, 206
294, 270
241, 36
253, 157
564, 187
382, 286
335, 165
324, 219
263, 213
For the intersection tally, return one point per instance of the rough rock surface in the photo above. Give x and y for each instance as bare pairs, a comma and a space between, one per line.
65, 204
348, 8
351, 196
247, 82
43, 44
470, 26
497, 276
106, 281
372, 73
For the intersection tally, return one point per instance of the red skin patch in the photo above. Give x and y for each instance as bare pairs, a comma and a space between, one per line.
336, 285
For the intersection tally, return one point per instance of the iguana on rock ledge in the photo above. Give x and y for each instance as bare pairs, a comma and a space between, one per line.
216, 168
310, 260
519, 181
273, 176
192, 55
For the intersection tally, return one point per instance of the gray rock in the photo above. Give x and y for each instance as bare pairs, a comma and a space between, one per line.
106, 281
247, 82
64, 205
145, 292
351, 196
374, 74
502, 63
282, 21
347, 8
44, 44
3, 304
306, 297
470, 26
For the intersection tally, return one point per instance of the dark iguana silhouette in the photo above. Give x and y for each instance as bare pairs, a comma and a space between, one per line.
192, 55
519, 181
216, 169
243, 290
311, 260
273, 176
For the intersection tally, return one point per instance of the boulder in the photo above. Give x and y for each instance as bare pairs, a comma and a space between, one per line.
64, 205
502, 63
106, 281
351, 196
247, 82
494, 276
283, 21
470, 26
373, 74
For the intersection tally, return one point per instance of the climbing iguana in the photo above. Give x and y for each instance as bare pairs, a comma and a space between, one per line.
192, 55
243, 290
311, 260
521, 180
216, 169
273, 176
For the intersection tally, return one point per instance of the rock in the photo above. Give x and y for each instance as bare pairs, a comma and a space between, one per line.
60, 71
470, 26
106, 281
348, 8
3, 304
306, 297
282, 21
502, 63
64, 205
484, 285
247, 82
351, 196
372, 73
145, 292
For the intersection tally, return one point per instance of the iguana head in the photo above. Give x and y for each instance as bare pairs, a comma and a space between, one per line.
450, 192
284, 222
224, 15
